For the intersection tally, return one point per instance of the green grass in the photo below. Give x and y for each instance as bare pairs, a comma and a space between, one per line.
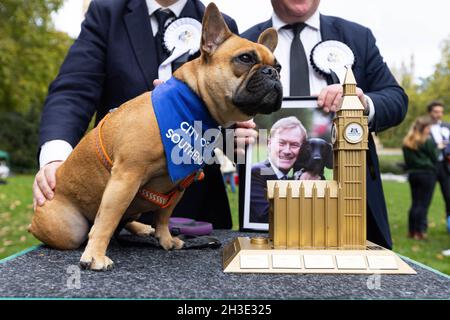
233, 199
16, 211
428, 252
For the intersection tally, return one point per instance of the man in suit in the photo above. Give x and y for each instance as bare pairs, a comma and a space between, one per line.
286, 138
116, 58
440, 133
300, 27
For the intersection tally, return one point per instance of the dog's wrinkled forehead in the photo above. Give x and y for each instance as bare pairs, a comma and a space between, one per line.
267, 57
262, 54
248, 56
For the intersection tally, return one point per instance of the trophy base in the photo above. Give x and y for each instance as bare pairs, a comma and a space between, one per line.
256, 255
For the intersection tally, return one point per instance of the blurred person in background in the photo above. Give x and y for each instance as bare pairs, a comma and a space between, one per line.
440, 133
421, 156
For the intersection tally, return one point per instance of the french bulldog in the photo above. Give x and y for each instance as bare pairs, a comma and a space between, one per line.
235, 78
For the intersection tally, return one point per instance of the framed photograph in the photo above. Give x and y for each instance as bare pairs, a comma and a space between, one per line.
293, 144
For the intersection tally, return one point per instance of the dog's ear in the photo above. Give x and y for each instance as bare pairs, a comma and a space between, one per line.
304, 156
214, 30
328, 155
269, 39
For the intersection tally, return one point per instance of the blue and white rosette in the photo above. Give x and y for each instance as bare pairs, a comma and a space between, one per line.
181, 37
331, 57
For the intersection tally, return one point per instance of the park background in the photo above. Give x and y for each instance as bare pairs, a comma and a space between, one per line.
413, 36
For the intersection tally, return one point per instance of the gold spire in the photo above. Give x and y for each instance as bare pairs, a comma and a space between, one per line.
349, 99
349, 83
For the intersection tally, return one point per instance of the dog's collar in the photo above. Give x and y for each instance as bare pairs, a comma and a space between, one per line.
188, 131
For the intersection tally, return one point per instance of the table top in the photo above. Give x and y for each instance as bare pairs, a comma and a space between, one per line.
152, 273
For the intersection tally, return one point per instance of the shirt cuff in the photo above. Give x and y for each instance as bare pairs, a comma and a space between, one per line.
371, 109
54, 150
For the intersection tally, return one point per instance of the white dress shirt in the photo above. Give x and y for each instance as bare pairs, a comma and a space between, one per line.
441, 135
309, 36
153, 6
59, 150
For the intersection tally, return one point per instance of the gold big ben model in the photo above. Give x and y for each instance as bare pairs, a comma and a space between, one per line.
319, 226
349, 138
327, 214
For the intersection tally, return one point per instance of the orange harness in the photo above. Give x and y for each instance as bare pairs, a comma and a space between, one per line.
160, 199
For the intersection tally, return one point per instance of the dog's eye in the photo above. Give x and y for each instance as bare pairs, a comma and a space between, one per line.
246, 58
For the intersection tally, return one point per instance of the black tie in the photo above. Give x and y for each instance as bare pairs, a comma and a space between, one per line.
162, 17
299, 73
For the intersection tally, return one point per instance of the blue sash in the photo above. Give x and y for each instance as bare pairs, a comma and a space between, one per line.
184, 123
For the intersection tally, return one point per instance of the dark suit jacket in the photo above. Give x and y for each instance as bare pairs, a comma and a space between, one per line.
391, 104
259, 206
113, 60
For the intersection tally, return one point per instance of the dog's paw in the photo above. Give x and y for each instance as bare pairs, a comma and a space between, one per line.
177, 243
169, 243
140, 229
145, 231
96, 263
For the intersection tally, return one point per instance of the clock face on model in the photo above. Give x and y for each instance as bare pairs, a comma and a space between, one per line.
353, 132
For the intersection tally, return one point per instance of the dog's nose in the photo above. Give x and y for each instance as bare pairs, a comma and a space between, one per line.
270, 72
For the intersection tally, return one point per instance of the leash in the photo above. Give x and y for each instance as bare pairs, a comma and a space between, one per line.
160, 199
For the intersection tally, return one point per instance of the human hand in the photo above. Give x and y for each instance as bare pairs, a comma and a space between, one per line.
45, 183
157, 82
245, 134
330, 98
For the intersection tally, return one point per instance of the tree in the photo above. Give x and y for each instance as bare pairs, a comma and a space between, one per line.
438, 84
434, 87
31, 51
18, 136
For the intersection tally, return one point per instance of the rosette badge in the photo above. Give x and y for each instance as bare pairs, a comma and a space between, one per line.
182, 37
331, 57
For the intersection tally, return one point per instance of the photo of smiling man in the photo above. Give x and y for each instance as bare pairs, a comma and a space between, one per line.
283, 146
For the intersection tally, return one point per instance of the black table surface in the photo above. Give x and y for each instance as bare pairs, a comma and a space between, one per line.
149, 272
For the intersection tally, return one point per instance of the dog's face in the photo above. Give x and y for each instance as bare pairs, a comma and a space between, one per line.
235, 77
314, 155
260, 89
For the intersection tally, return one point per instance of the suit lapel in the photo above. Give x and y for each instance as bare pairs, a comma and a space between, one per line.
190, 11
265, 25
328, 32
140, 32
327, 29
269, 167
